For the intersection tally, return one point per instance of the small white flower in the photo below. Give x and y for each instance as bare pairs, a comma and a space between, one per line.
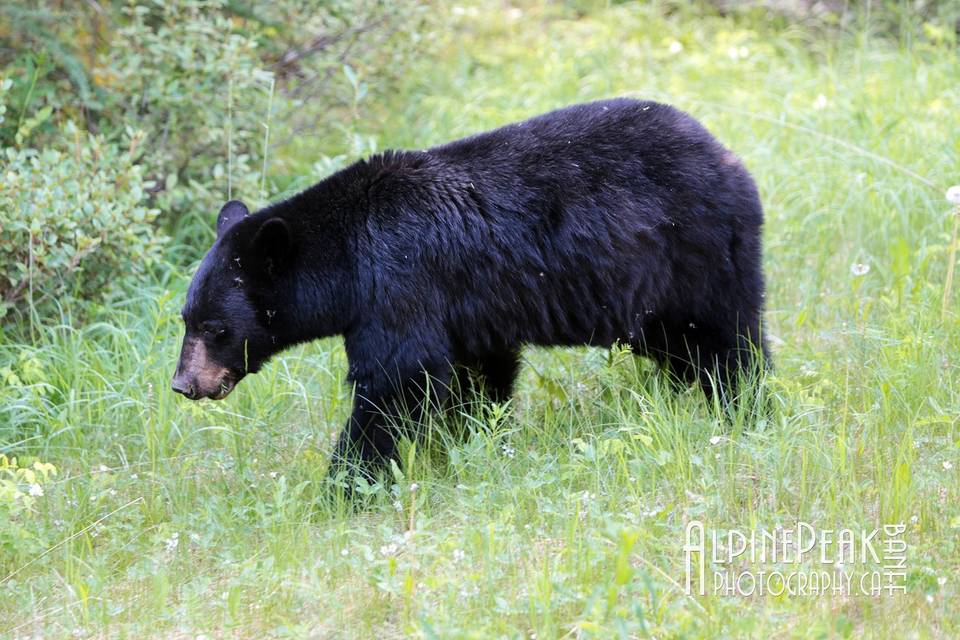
398, 505
414, 487
173, 542
458, 555
820, 103
508, 451
388, 550
947, 465
134, 476
273, 474
676, 47
715, 440
103, 468
344, 553
914, 519
36, 490
859, 269
738, 53
953, 194
942, 580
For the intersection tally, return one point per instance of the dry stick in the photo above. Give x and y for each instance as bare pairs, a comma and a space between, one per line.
71, 537
824, 136
266, 143
953, 196
230, 138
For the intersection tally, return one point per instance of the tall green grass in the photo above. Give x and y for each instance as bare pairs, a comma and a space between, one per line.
561, 513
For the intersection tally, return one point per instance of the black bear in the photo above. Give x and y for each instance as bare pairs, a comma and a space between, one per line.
619, 220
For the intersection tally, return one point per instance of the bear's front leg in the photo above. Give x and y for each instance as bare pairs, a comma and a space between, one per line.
396, 380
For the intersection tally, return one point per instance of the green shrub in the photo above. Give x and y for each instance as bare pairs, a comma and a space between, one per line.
214, 84
210, 86
72, 216
20, 487
195, 84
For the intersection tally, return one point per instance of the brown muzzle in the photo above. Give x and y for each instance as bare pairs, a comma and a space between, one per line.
198, 376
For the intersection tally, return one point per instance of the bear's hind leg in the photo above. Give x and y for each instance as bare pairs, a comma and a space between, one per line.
491, 375
498, 371
719, 361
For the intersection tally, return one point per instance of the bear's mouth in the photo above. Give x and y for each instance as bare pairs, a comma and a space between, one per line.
227, 384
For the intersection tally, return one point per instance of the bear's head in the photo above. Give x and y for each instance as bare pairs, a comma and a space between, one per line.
232, 303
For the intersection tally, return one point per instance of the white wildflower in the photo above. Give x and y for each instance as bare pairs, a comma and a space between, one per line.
820, 103
458, 555
859, 269
676, 47
36, 490
947, 465
953, 194
715, 440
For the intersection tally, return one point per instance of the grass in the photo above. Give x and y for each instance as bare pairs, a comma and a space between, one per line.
561, 514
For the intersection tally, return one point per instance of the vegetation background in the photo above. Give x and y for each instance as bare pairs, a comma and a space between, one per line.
125, 512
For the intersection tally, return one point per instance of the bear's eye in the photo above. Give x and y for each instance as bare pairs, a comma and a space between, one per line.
212, 329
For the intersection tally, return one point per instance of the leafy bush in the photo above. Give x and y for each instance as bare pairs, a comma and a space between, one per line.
181, 72
71, 218
214, 84
20, 487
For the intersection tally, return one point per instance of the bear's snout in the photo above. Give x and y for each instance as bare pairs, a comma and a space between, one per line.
184, 387
199, 376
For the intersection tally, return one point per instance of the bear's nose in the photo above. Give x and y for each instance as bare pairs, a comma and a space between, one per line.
181, 386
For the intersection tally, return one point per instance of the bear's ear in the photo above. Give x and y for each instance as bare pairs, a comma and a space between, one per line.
272, 245
230, 214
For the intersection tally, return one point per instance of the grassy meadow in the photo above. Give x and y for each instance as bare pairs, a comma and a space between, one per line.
562, 513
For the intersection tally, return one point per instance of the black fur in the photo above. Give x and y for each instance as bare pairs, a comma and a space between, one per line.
611, 221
